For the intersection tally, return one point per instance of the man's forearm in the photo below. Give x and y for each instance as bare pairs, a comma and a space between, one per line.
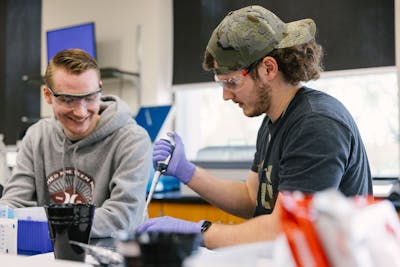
230, 196
262, 228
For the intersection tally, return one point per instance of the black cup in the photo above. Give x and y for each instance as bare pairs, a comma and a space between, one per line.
159, 248
69, 222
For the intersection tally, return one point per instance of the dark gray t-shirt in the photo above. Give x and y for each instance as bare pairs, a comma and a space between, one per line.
314, 145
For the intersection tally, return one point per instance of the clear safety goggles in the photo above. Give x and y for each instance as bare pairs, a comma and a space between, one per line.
72, 100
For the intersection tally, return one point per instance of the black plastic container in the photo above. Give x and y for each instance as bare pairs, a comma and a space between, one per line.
69, 222
160, 248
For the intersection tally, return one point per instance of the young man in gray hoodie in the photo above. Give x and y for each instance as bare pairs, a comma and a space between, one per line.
90, 151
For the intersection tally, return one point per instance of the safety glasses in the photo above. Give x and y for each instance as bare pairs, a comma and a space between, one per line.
237, 80
72, 100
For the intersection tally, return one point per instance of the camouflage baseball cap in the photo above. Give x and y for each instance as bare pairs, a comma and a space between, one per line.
248, 34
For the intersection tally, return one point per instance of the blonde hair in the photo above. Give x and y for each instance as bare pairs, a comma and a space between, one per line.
74, 61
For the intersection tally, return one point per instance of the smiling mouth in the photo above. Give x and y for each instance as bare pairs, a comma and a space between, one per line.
80, 120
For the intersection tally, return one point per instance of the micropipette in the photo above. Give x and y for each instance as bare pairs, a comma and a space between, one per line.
161, 168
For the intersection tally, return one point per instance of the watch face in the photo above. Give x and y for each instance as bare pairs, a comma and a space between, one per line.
205, 226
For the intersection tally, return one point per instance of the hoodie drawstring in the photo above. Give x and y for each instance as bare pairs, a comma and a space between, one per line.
63, 163
75, 171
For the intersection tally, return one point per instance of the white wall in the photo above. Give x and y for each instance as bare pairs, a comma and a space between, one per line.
397, 52
117, 23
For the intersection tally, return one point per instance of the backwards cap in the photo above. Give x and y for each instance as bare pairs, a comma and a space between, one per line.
248, 34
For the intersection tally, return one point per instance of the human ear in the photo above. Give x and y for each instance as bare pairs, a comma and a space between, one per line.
47, 95
270, 67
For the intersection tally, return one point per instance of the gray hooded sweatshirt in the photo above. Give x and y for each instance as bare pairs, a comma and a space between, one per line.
109, 168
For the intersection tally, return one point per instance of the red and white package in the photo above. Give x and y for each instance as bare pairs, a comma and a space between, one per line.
297, 220
328, 229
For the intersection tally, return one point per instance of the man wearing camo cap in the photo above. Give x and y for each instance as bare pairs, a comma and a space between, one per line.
307, 142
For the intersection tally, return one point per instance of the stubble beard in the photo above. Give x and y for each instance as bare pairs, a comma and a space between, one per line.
263, 96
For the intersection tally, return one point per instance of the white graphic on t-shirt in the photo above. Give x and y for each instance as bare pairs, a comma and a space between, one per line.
70, 186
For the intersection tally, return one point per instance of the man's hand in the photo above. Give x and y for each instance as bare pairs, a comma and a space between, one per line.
170, 224
178, 166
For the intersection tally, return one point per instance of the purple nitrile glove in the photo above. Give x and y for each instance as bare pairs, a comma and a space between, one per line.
178, 166
170, 224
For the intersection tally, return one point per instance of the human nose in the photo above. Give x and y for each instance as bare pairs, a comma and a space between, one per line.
227, 94
79, 107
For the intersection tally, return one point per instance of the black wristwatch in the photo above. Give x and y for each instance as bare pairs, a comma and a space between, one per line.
205, 226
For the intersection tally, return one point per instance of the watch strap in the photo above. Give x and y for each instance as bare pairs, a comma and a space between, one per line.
205, 225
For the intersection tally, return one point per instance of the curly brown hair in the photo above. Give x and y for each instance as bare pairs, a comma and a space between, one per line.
297, 63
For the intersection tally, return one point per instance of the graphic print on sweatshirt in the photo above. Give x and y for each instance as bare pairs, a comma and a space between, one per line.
74, 186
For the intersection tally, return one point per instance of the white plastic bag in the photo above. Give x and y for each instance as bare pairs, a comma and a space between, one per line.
356, 232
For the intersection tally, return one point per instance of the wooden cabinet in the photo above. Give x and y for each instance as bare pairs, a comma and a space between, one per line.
191, 211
